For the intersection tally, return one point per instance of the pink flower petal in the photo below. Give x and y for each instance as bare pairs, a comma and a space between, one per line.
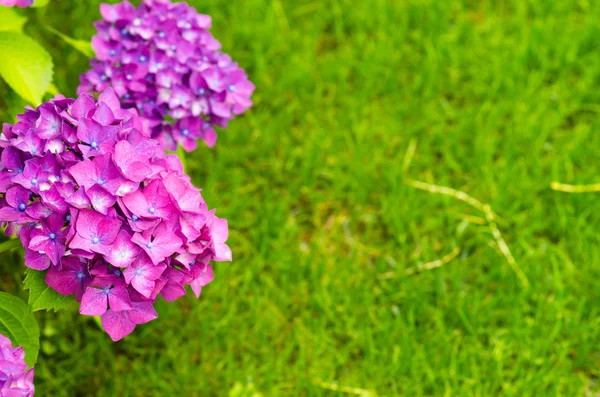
93, 302
117, 324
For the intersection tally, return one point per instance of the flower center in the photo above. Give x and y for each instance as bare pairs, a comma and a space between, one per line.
152, 210
80, 275
150, 244
22, 207
138, 272
68, 218
201, 91
106, 291
185, 132
34, 181
94, 144
231, 88
112, 53
95, 240
142, 58
52, 236
134, 217
128, 76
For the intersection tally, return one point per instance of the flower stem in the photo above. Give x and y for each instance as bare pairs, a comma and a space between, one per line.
181, 153
98, 321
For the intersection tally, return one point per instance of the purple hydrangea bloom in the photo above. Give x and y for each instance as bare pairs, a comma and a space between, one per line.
18, 3
161, 59
15, 379
104, 211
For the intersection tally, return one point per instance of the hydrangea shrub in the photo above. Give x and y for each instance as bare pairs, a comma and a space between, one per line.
100, 207
161, 59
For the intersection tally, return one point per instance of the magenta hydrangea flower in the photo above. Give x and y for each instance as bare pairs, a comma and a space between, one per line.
161, 59
104, 211
18, 3
15, 379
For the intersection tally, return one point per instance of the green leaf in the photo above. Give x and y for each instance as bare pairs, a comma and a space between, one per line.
18, 324
85, 47
10, 245
25, 66
52, 89
11, 20
41, 296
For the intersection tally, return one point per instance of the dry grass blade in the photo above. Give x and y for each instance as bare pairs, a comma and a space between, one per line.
409, 154
344, 389
561, 187
434, 264
427, 266
448, 191
489, 216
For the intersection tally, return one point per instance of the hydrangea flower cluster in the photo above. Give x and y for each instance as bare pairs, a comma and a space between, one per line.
161, 59
100, 205
15, 379
18, 3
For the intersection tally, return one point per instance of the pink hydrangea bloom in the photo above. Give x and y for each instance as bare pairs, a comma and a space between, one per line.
161, 59
98, 205
15, 379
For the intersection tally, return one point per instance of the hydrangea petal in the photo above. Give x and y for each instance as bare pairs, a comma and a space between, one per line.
94, 302
117, 324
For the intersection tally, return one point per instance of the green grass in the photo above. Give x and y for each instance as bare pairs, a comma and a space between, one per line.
501, 98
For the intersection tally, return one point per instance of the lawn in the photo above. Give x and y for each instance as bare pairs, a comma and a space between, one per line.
330, 290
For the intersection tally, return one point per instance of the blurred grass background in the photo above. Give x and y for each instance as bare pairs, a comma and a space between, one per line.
500, 98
